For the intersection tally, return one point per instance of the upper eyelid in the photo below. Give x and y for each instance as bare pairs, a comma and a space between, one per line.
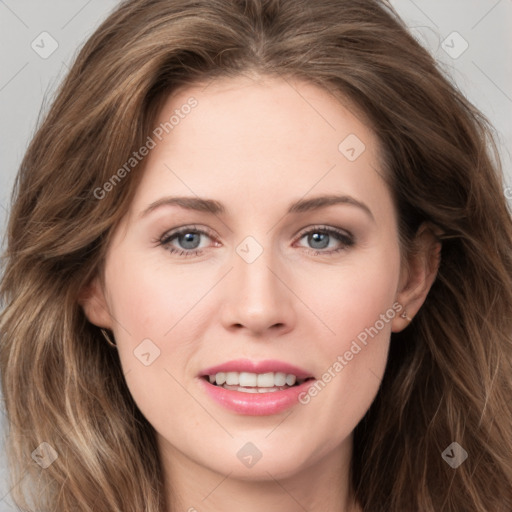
206, 231
330, 229
185, 229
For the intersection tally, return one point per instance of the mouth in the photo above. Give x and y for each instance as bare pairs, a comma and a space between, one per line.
248, 382
255, 388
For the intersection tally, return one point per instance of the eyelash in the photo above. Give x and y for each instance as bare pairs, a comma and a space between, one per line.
346, 238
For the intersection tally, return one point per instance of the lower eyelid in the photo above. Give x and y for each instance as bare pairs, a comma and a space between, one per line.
345, 239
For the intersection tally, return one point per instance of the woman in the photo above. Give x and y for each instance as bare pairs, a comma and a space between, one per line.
259, 256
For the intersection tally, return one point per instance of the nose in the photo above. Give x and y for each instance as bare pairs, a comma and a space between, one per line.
258, 298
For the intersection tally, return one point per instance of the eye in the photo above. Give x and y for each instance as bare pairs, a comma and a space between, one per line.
185, 241
320, 238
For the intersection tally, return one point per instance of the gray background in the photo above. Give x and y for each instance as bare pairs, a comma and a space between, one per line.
27, 80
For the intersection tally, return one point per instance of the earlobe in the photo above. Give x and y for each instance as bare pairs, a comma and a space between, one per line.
418, 276
93, 302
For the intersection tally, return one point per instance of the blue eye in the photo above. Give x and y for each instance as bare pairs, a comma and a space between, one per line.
188, 238
186, 241
319, 238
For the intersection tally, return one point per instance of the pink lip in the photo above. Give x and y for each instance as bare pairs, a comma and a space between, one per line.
255, 404
246, 365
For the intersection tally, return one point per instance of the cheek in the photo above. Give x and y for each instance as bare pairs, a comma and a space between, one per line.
357, 308
149, 300
353, 297
155, 332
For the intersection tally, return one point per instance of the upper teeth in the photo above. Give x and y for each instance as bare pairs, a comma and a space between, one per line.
264, 380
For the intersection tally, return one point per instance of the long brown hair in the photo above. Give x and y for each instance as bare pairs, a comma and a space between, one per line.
448, 377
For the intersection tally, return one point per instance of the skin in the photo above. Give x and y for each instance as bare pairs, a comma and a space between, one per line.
256, 145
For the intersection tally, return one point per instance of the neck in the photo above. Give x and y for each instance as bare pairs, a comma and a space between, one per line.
322, 485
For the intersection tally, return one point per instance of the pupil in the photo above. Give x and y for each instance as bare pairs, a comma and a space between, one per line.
189, 240
323, 238
318, 240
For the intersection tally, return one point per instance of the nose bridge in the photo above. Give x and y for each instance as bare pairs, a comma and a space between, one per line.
257, 298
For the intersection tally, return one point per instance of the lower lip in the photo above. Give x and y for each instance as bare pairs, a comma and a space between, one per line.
255, 404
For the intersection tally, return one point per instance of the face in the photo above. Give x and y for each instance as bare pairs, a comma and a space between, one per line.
279, 263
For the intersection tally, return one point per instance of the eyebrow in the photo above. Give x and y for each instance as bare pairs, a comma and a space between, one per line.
215, 207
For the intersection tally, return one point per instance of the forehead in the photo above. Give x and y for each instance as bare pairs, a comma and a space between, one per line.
248, 139
261, 108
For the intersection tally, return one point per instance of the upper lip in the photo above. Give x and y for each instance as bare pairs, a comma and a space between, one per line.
266, 366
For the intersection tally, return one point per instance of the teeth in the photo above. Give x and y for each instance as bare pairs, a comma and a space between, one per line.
232, 378
248, 379
290, 379
266, 380
255, 390
254, 380
280, 379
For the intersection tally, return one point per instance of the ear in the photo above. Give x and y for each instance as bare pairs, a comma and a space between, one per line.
418, 274
93, 301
